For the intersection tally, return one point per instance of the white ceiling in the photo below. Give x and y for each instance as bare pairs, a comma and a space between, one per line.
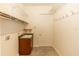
42, 8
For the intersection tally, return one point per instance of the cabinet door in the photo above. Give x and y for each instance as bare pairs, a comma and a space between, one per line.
24, 46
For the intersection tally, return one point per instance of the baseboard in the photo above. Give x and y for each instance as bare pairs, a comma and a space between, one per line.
57, 50
35, 46
17, 54
41, 45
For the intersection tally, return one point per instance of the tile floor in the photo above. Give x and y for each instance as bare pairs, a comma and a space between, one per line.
43, 51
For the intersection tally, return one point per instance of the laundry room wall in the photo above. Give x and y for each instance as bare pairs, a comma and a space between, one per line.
66, 30
42, 25
42, 29
9, 32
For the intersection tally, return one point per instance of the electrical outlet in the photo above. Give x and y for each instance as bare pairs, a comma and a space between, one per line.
8, 37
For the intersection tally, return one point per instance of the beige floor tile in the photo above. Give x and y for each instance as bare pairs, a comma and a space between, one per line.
43, 51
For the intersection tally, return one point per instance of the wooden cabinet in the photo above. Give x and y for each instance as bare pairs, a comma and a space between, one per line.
25, 44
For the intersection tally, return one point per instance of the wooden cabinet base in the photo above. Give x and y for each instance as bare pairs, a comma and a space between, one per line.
25, 52
25, 46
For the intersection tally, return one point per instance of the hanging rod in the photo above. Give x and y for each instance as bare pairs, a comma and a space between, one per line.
11, 17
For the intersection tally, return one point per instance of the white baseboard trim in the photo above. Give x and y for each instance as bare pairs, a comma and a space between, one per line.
57, 50
41, 45
35, 46
17, 54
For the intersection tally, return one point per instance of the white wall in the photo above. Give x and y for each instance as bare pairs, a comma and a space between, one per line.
43, 30
13, 9
12, 29
0, 46
66, 30
42, 25
10, 26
